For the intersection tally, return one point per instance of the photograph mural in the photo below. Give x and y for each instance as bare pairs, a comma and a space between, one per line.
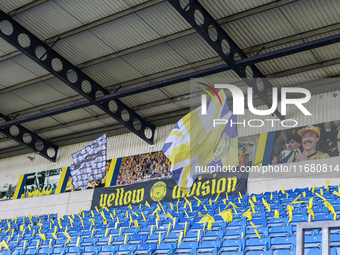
7, 190
41, 183
306, 143
144, 167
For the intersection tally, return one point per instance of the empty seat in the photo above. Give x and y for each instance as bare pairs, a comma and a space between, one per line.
233, 245
257, 244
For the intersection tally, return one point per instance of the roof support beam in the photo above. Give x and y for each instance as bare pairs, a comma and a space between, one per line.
30, 140
256, 48
195, 14
42, 54
185, 77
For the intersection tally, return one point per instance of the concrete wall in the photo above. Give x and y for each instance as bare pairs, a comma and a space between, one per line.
66, 203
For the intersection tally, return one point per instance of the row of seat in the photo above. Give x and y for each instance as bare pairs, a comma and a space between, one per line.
157, 228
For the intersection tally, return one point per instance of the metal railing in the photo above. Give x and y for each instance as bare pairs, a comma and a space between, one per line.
324, 225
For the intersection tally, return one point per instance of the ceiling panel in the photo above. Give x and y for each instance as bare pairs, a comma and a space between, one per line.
47, 20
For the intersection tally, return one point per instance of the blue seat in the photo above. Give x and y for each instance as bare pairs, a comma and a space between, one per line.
145, 231
75, 250
18, 252
137, 239
263, 232
47, 251
172, 238
31, 251
233, 245
89, 241
193, 237
187, 248
259, 223
284, 252
230, 253
257, 244
281, 231
60, 250
313, 242
73, 242
278, 222
108, 250
236, 225
104, 240
234, 233
119, 240
154, 238
212, 235
324, 217
6, 253
319, 251
146, 249
127, 249
287, 243
260, 253
165, 248
92, 250
209, 247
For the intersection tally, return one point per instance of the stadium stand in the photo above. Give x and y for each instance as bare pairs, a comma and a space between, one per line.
263, 224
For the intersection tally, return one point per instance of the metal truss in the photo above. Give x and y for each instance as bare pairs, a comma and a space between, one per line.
30, 140
45, 56
181, 78
196, 15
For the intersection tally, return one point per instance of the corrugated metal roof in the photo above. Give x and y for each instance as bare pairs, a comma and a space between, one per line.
192, 48
8, 144
166, 57
10, 5
219, 9
79, 48
260, 28
144, 98
5, 48
88, 11
12, 73
56, 133
47, 20
333, 70
155, 59
39, 93
87, 126
39, 124
112, 71
72, 116
125, 32
12, 103
61, 87
287, 62
30, 65
177, 89
164, 19
159, 110
307, 15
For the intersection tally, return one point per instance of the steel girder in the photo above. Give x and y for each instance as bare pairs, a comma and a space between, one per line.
195, 14
30, 140
45, 56
185, 77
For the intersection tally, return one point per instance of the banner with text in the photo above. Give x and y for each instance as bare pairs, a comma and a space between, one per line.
166, 190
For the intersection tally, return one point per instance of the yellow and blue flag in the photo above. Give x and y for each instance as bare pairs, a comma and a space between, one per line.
197, 143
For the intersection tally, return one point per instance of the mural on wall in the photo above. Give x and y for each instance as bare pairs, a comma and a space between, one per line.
41, 183
143, 167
